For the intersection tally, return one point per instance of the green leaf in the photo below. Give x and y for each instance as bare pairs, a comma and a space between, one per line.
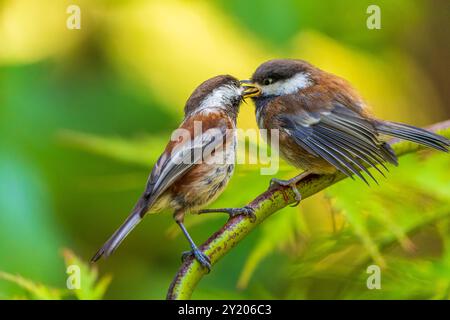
143, 151
413, 200
281, 231
36, 290
91, 287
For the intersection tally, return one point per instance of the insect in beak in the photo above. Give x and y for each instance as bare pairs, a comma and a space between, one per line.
250, 89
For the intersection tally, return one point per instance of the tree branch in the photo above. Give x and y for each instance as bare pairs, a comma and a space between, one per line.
269, 202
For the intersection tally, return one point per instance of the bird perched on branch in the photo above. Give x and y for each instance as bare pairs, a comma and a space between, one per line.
324, 125
196, 165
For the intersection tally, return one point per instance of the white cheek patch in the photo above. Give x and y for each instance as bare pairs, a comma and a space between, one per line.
221, 97
297, 82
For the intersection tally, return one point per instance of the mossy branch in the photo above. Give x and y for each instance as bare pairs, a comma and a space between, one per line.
269, 202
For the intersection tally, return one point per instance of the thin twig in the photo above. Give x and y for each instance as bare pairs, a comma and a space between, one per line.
269, 202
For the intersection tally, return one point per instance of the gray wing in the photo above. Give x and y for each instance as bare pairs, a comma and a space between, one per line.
172, 166
340, 136
167, 170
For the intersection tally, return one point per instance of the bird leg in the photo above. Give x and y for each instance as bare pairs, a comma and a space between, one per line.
196, 252
292, 183
232, 212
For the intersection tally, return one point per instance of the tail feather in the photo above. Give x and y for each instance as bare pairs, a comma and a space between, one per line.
127, 226
116, 239
414, 134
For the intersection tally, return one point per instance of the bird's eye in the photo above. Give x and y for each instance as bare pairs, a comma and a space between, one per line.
267, 81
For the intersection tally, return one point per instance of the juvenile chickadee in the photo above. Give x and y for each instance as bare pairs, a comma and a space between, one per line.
196, 165
324, 124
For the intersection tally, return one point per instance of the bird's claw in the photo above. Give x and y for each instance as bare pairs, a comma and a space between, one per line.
287, 183
202, 258
232, 212
245, 211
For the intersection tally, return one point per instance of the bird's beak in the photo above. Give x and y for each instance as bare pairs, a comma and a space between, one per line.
250, 89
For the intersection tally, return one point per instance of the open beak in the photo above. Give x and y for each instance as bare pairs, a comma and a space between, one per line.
250, 89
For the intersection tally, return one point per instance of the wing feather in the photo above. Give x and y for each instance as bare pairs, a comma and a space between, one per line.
342, 137
183, 159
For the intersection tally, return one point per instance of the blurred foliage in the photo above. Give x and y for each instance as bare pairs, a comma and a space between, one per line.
85, 113
386, 226
90, 286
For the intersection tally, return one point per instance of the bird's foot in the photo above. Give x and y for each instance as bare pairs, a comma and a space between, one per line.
232, 212
292, 183
199, 255
245, 211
